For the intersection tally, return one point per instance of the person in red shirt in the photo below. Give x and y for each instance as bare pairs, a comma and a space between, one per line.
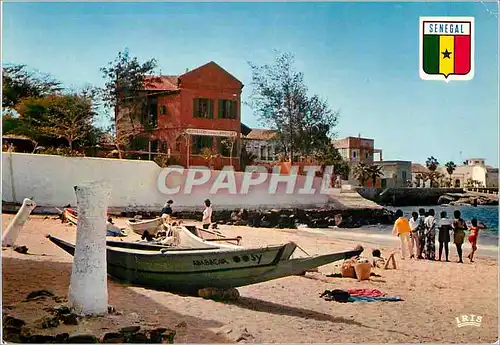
474, 234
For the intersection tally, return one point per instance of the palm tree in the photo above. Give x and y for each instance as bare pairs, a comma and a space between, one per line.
432, 163
361, 173
374, 172
450, 168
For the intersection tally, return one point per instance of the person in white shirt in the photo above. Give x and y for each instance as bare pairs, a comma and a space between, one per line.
207, 215
414, 239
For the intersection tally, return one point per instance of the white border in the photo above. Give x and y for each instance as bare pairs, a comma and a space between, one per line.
452, 77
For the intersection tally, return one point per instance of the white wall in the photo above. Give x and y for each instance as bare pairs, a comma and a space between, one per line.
50, 180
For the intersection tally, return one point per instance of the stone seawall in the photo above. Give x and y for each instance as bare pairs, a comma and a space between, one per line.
406, 196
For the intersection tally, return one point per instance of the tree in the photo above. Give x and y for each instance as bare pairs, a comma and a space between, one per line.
210, 156
228, 144
60, 116
18, 83
433, 177
361, 173
432, 163
450, 168
124, 92
374, 172
330, 156
279, 97
246, 158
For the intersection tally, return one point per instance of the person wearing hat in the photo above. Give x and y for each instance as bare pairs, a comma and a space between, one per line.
167, 209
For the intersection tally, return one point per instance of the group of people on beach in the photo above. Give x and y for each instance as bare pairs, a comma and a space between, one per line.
207, 212
418, 234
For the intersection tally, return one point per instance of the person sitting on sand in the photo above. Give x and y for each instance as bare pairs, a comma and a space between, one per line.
403, 230
474, 234
430, 236
414, 239
112, 229
378, 260
459, 227
445, 228
167, 209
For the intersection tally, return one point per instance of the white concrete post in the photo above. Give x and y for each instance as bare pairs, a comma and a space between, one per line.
10, 234
88, 289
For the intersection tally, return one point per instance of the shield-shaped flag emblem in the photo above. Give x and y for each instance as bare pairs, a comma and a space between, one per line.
446, 48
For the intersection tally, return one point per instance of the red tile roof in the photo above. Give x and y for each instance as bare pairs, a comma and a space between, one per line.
162, 83
261, 134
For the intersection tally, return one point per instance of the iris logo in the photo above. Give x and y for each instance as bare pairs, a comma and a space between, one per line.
469, 320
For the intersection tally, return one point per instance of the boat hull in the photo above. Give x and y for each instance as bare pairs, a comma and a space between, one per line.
192, 269
139, 226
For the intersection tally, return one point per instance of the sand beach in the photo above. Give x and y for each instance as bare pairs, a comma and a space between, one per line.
287, 310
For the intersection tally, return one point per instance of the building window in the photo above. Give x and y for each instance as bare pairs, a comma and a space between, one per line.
154, 146
163, 146
201, 142
263, 153
153, 113
404, 175
203, 108
178, 144
367, 155
163, 110
227, 109
354, 154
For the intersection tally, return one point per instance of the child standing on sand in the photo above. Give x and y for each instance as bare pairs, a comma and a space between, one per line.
402, 229
458, 233
474, 233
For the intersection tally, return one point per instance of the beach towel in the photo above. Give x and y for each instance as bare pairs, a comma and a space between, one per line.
373, 299
365, 292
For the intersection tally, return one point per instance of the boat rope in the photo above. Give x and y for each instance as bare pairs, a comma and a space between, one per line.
303, 250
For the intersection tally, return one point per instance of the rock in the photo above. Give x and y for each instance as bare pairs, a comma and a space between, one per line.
219, 294
133, 316
21, 249
69, 319
62, 309
62, 337
169, 336
39, 293
136, 338
11, 334
9, 321
49, 322
25, 334
113, 337
82, 339
445, 199
130, 329
42, 339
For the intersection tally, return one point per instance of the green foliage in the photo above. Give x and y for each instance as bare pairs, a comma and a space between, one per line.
432, 163
279, 98
210, 156
361, 173
374, 172
59, 116
246, 158
18, 83
450, 168
164, 161
60, 151
330, 156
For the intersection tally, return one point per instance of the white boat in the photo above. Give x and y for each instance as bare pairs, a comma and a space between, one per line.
140, 225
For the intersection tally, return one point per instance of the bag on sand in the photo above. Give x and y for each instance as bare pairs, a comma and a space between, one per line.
363, 270
347, 269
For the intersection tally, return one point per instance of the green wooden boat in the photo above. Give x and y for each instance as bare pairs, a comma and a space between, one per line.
188, 269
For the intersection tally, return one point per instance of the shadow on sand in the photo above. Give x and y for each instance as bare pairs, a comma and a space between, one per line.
22, 276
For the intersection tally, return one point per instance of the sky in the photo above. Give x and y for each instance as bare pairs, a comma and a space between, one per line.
361, 57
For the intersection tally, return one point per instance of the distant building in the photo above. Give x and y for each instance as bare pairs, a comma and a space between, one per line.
355, 150
262, 143
187, 113
474, 173
396, 174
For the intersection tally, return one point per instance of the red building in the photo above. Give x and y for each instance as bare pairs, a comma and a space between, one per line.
188, 113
